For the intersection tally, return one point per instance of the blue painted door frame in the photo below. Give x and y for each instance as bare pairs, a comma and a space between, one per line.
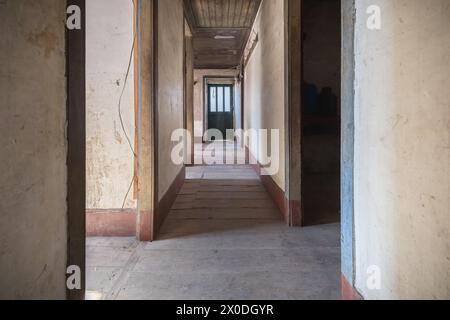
348, 138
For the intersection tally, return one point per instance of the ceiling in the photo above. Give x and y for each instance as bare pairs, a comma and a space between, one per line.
220, 30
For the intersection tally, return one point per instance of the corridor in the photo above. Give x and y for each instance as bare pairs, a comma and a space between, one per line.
122, 178
224, 239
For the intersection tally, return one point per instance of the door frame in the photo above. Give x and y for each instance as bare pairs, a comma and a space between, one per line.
348, 18
292, 111
208, 95
221, 80
293, 120
147, 118
76, 136
76, 151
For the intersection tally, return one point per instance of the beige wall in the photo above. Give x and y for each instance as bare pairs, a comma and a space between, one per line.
199, 111
264, 80
170, 87
33, 186
402, 150
110, 161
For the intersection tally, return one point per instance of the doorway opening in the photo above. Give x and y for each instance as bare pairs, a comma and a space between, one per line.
217, 115
221, 103
111, 135
220, 108
321, 87
222, 205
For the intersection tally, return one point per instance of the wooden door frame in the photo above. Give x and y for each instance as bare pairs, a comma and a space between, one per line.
188, 86
292, 121
76, 153
205, 98
147, 87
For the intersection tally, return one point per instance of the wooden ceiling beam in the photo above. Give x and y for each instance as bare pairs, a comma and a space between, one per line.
209, 18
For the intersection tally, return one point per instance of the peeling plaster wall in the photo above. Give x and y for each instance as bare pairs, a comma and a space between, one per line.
170, 87
402, 149
110, 161
33, 178
265, 79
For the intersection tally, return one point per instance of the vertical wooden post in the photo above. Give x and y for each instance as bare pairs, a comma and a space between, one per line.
146, 13
293, 96
76, 156
189, 91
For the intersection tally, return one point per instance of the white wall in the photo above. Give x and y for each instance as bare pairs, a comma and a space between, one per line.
33, 175
238, 105
170, 87
402, 149
264, 80
110, 161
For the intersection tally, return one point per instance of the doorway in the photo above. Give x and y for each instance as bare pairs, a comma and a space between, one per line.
220, 107
321, 86
75, 214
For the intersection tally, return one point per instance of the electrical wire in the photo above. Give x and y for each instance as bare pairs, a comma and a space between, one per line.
128, 192
121, 118
121, 96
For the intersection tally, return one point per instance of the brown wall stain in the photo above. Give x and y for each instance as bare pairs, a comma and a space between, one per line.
45, 40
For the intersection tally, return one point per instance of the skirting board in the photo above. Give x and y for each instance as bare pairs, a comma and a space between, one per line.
122, 223
276, 193
110, 222
348, 291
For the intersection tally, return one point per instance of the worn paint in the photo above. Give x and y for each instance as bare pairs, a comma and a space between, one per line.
110, 160
347, 139
146, 69
33, 179
402, 168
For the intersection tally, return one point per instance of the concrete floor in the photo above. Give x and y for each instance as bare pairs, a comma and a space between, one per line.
224, 239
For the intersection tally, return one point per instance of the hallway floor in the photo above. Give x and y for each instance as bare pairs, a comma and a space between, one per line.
224, 239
